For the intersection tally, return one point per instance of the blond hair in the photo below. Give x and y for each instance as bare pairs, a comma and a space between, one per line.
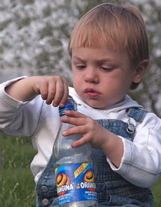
112, 26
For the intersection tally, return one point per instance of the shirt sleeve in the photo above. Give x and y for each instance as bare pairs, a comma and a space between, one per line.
141, 162
15, 113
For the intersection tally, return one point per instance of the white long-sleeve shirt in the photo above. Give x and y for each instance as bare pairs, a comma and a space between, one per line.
141, 162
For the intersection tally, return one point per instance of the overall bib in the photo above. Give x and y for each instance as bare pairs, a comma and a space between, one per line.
113, 190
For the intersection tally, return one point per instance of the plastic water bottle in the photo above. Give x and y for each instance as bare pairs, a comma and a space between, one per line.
73, 169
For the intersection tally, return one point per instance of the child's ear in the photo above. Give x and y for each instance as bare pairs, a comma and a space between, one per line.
140, 70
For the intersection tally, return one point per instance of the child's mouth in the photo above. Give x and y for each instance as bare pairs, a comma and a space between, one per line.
91, 93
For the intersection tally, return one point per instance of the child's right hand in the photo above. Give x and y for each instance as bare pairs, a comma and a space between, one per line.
53, 89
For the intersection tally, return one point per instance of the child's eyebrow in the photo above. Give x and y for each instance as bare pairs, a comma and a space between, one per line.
104, 60
78, 58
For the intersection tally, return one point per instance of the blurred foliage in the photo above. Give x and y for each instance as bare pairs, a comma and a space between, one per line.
34, 35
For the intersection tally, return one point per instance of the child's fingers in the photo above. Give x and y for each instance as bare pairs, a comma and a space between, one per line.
61, 92
75, 114
43, 90
52, 89
77, 130
74, 121
85, 139
51, 92
74, 130
65, 95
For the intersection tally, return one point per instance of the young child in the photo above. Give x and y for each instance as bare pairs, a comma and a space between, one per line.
109, 55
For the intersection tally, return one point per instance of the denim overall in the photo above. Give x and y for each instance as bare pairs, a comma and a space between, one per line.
112, 189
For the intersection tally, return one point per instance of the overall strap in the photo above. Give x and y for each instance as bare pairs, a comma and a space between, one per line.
137, 114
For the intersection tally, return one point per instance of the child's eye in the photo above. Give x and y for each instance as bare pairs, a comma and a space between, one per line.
107, 69
80, 66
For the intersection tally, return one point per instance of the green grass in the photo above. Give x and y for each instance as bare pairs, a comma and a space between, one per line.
16, 180
156, 189
17, 187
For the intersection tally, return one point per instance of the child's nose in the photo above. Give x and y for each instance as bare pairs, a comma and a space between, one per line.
91, 76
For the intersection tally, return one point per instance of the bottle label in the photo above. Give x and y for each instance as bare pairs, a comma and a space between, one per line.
75, 183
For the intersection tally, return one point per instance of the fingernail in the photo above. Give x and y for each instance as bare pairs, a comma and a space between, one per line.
74, 145
64, 133
61, 104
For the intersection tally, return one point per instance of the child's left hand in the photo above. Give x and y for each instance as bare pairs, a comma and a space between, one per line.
94, 134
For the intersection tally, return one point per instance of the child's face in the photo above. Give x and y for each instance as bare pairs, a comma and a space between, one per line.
101, 77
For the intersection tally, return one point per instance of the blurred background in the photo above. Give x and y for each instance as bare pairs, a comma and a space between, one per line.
34, 36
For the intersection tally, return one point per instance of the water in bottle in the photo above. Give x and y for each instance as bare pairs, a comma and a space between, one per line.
73, 169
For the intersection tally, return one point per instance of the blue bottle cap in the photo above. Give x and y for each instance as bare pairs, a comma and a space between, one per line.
68, 106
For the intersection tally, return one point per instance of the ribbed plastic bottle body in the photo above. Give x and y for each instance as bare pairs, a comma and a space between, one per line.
67, 157
65, 154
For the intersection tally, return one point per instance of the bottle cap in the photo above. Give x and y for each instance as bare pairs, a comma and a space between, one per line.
68, 106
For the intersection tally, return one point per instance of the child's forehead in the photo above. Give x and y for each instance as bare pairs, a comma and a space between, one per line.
99, 55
